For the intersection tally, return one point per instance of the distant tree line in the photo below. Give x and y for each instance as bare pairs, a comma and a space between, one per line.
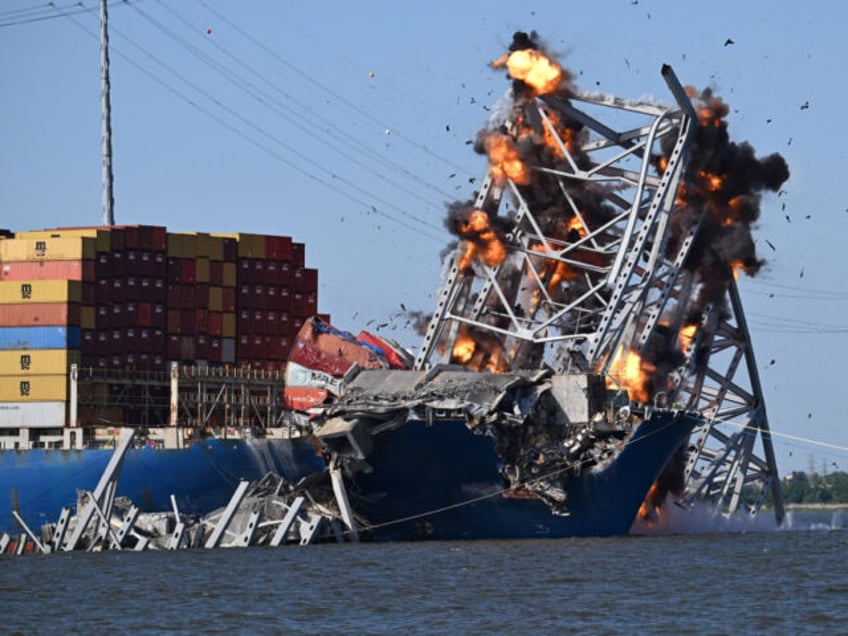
811, 488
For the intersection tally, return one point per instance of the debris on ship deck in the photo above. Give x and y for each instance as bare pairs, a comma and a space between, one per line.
270, 512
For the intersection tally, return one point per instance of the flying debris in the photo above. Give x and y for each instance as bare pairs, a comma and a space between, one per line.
770, 245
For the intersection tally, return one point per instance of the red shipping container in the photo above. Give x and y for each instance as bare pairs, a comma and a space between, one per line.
103, 292
117, 319
130, 313
84, 270
230, 249
118, 239
103, 317
258, 275
258, 324
201, 318
132, 237
244, 321
103, 340
186, 321
201, 347
158, 238
117, 295
392, 357
144, 342
145, 291
158, 341
244, 296
278, 248
133, 259
201, 296
174, 269
132, 287
305, 279
188, 270
311, 357
146, 267
88, 342
39, 314
159, 267
245, 271
272, 318
272, 298
214, 350
144, 315
279, 273
103, 265
160, 316
260, 299
119, 266
186, 296
173, 346
159, 291
298, 258
229, 299
302, 398
216, 273
128, 337
215, 323
284, 299
245, 348
174, 321
174, 298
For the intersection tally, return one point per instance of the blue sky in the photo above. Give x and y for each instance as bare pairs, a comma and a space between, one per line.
344, 125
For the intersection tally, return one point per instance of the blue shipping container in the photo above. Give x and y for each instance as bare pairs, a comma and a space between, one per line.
39, 337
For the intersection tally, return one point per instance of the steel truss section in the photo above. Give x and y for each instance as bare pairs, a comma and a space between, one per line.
595, 268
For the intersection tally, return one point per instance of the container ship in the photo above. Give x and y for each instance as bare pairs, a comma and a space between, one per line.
104, 327
587, 361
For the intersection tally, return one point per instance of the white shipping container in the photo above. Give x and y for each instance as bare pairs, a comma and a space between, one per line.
32, 414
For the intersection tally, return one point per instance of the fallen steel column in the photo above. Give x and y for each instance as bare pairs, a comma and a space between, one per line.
108, 483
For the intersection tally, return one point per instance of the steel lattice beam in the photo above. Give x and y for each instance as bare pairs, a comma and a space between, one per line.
572, 299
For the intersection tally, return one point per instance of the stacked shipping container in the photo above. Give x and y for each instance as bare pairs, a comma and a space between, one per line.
46, 300
138, 298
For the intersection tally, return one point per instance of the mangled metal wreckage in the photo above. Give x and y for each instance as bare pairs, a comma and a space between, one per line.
588, 353
451, 453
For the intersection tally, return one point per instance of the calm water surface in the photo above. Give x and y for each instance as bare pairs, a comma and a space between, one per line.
786, 582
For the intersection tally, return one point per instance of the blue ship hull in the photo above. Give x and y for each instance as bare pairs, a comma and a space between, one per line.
442, 482
203, 476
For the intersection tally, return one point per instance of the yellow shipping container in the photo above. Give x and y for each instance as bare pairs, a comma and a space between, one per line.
88, 317
40, 291
201, 270
182, 245
47, 246
249, 245
229, 274
216, 298
34, 388
228, 328
36, 362
102, 236
212, 247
